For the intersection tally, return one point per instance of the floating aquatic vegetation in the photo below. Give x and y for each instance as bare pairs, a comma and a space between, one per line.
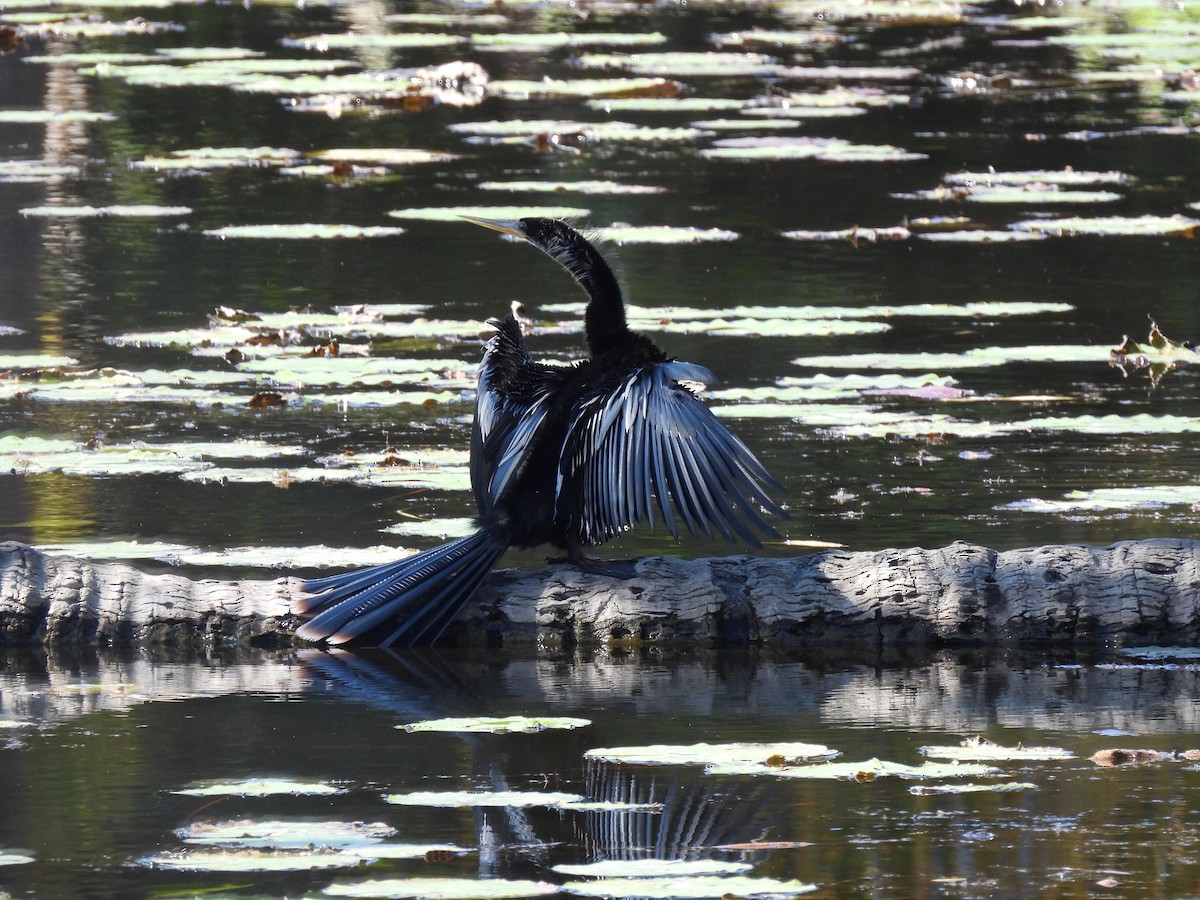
442, 888
498, 724
664, 234
464, 799
303, 232
15, 858
854, 234
774, 754
689, 887
685, 64
32, 171
745, 124
1022, 178
1120, 226
87, 212
978, 749
260, 787
1008, 787
982, 236
808, 37
569, 187
319, 556
363, 40
51, 117
976, 357
827, 149
254, 860
667, 104
503, 213
205, 158
550, 132
652, 868
1124, 756
442, 529
80, 28
585, 87
861, 772
1114, 498
556, 40
31, 361
1159, 653
381, 156
360, 838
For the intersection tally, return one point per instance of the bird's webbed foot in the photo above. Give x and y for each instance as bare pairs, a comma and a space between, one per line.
613, 568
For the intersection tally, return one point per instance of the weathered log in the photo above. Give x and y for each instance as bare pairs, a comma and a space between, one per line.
1136, 591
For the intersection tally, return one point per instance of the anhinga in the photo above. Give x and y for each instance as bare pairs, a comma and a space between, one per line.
567, 455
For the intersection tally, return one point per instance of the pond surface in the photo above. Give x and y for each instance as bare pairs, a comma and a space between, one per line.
97, 751
919, 231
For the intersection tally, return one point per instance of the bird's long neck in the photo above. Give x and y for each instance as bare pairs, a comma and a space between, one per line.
604, 321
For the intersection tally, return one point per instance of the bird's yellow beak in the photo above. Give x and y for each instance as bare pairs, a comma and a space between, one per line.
513, 229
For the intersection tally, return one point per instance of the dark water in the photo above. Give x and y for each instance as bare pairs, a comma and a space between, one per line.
86, 778
88, 781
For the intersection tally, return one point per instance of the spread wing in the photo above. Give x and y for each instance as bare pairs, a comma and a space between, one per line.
648, 441
514, 394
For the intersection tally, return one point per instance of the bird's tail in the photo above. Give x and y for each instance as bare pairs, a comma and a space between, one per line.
407, 602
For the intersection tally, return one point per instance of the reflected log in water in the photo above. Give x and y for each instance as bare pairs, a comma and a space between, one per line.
1131, 591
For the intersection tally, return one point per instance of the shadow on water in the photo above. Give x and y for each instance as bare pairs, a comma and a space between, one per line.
96, 745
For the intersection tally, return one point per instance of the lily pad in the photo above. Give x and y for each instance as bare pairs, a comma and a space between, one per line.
504, 213
1115, 498
976, 357
467, 799
85, 212
1060, 177
517, 89
712, 754
685, 887
1008, 787
685, 64
865, 771
442, 888
363, 40
254, 860
13, 858
497, 724
1134, 226
51, 117
667, 104
569, 187
382, 156
664, 234
978, 749
260, 787
303, 232
785, 148
652, 868
557, 40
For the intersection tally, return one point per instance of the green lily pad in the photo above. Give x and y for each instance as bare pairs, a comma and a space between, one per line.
382, 156
517, 89
50, 117
778, 38
206, 158
85, 212
689, 887
652, 868
667, 104
969, 359
13, 858
746, 124
1060, 177
442, 888
503, 213
260, 787
363, 40
497, 724
1115, 498
569, 187
1008, 787
254, 860
685, 64
711, 754
982, 236
467, 799
664, 234
557, 40
978, 749
303, 232
1133, 226
35, 361
785, 148
860, 771
442, 529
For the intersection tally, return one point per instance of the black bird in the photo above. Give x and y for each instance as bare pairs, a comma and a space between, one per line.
567, 455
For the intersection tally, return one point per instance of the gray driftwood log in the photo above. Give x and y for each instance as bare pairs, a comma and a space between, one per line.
1131, 592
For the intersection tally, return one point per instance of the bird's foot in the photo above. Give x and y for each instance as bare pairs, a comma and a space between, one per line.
613, 568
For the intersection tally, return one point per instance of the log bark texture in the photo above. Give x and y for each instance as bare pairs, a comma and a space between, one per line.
1130, 592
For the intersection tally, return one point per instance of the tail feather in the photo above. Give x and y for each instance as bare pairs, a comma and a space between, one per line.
423, 593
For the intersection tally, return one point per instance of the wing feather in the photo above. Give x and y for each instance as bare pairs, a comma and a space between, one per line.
646, 441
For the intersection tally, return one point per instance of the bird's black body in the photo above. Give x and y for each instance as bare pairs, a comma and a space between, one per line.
566, 455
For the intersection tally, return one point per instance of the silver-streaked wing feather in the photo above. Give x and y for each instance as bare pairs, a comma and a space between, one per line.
648, 442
